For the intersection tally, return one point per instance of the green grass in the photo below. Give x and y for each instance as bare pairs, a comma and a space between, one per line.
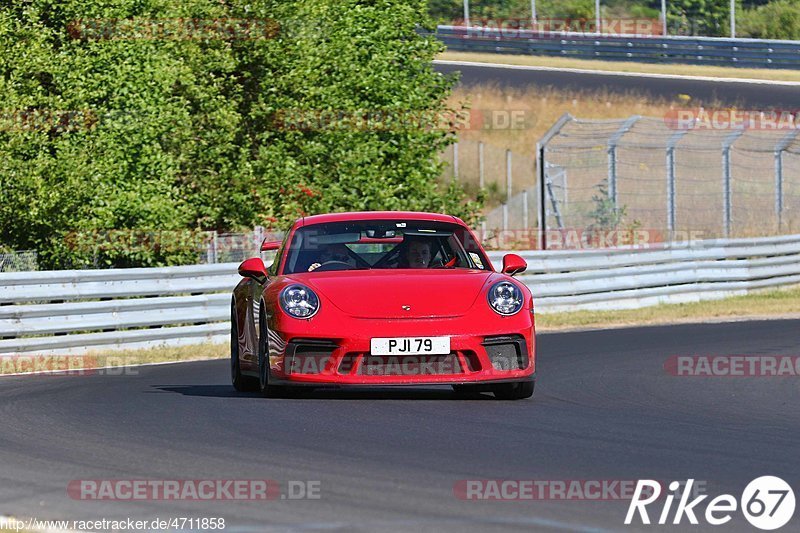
771, 303
112, 358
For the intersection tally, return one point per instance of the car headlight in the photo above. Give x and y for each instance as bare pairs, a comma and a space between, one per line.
505, 298
299, 301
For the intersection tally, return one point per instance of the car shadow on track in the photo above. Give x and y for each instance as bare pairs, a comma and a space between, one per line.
226, 391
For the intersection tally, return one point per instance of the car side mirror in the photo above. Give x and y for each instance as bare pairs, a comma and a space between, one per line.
513, 264
268, 246
253, 268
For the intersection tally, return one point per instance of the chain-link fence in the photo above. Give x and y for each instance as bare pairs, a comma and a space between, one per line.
509, 182
207, 247
650, 173
22, 261
234, 247
498, 170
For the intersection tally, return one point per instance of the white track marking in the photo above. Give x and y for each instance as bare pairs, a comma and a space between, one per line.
617, 73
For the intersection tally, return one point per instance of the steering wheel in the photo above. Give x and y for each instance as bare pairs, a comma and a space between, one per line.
332, 265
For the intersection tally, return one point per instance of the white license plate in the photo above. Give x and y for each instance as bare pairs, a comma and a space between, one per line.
410, 346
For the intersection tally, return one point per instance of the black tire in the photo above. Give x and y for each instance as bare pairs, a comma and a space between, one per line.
267, 390
513, 391
240, 383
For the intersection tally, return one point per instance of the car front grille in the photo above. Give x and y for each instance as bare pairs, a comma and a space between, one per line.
410, 365
308, 356
507, 352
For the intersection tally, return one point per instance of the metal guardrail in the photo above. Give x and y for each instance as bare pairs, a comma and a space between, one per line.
678, 49
83, 311
631, 278
75, 311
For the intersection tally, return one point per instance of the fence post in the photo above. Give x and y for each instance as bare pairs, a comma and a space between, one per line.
726, 180
541, 146
781, 147
258, 238
481, 180
671, 143
525, 209
508, 176
211, 248
612, 157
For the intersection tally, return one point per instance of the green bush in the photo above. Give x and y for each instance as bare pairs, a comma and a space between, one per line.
446, 11
779, 19
166, 133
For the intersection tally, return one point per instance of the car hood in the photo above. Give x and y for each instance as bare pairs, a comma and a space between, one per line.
384, 293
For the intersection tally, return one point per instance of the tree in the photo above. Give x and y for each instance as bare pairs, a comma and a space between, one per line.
779, 19
124, 114
709, 18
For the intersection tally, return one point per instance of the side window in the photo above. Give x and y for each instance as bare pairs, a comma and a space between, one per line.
273, 268
472, 248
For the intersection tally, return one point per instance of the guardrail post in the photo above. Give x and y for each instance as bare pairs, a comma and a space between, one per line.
781, 147
726, 180
541, 146
671, 208
612, 157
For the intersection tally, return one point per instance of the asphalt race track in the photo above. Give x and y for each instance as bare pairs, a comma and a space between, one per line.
765, 95
388, 460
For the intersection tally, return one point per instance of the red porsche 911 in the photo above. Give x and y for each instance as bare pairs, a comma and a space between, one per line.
382, 298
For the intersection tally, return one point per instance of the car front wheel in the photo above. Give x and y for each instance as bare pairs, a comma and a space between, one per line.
513, 391
267, 390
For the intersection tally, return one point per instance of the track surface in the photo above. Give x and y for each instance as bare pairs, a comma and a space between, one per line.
747, 95
388, 459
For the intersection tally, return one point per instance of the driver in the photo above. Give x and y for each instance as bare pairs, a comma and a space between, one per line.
416, 254
332, 252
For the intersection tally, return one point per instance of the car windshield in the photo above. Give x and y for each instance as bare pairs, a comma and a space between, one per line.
393, 244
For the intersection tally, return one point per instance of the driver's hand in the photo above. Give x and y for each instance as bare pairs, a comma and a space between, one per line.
314, 266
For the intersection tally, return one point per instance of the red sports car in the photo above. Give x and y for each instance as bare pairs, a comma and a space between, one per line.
382, 298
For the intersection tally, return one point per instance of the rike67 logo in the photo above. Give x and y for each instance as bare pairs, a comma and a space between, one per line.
767, 503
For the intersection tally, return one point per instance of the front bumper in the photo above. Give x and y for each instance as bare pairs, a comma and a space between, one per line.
474, 358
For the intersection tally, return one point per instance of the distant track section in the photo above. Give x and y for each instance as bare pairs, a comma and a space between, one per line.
705, 90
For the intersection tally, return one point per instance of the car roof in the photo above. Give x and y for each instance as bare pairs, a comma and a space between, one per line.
377, 215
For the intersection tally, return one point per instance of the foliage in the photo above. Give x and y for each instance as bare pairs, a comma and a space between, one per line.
779, 19
106, 130
605, 215
447, 11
